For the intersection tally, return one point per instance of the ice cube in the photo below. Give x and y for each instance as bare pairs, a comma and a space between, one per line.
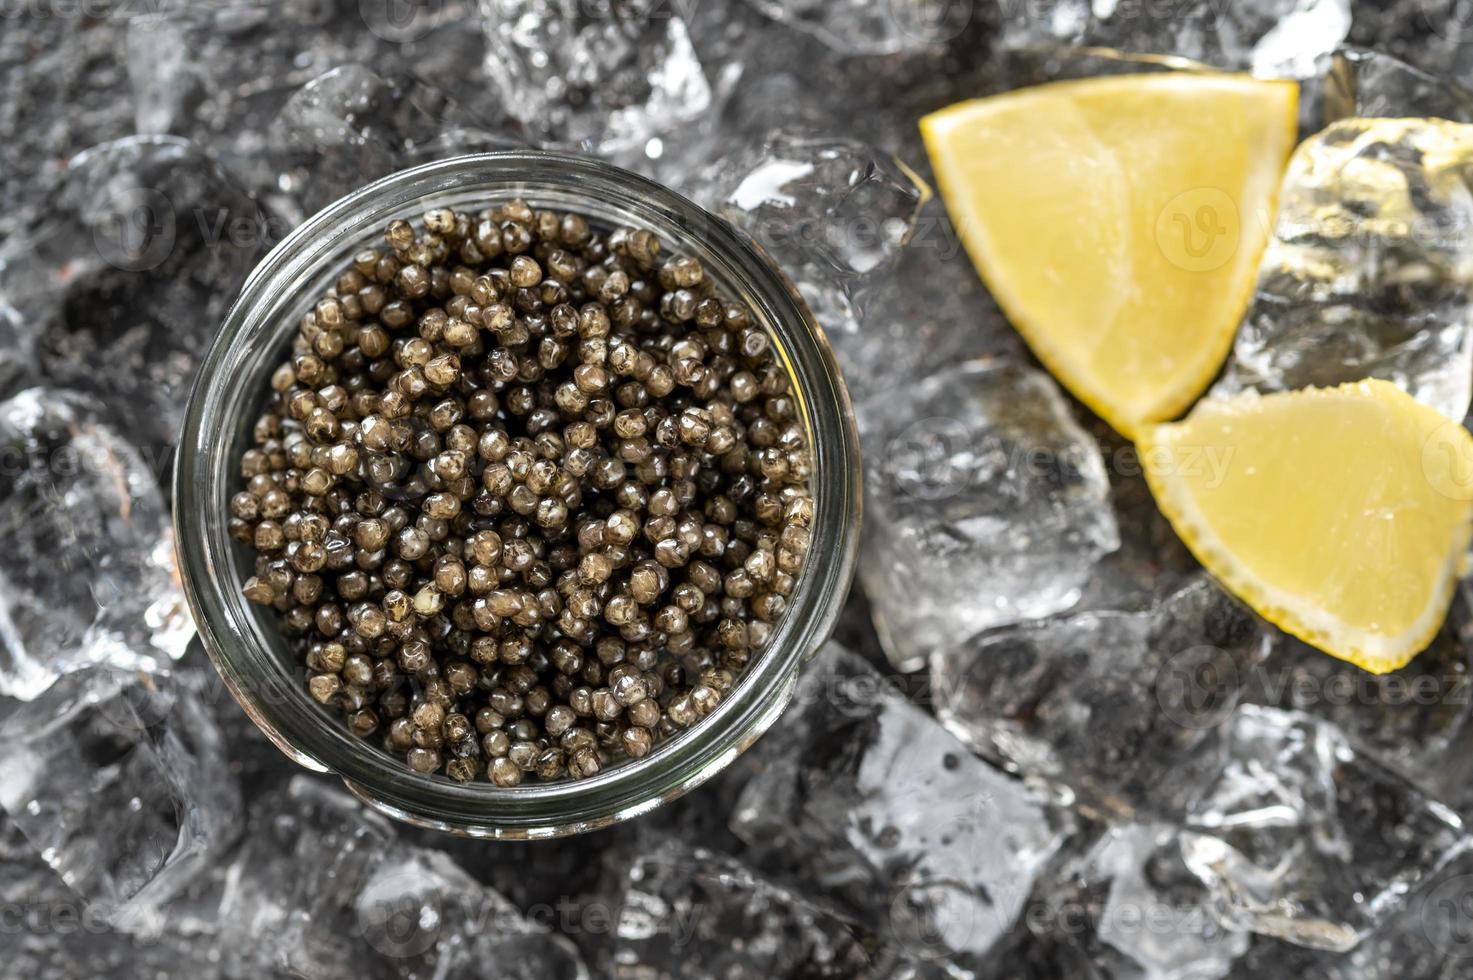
863, 796
219, 73
1368, 83
1273, 38
119, 781
296, 877
606, 75
985, 504
1430, 938
1273, 959
686, 911
857, 231
50, 934
1370, 269
1303, 838
1414, 720
342, 897
899, 326
352, 125
1116, 707
1133, 909
425, 916
87, 572
158, 55
822, 206
859, 27
123, 288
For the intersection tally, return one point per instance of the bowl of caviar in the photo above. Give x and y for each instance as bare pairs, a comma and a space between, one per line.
515, 491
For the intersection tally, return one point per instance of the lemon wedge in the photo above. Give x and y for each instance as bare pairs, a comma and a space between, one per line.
1119, 222
1342, 514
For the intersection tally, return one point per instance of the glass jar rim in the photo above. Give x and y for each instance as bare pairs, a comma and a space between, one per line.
231, 628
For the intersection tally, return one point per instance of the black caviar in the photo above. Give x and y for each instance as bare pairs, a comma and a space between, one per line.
529, 496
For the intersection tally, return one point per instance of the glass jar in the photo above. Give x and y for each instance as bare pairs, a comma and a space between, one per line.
254, 657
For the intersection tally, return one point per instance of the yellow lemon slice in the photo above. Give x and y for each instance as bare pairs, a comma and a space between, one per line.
1119, 222
1340, 514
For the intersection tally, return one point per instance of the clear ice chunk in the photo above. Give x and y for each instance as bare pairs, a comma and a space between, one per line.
606, 75
1133, 909
822, 206
1303, 838
863, 796
86, 577
342, 897
218, 73
850, 224
50, 934
1117, 708
922, 316
1273, 959
1370, 269
352, 125
686, 911
1272, 38
1430, 938
1415, 720
985, 504
120, 782
860, 27
1373, 84
146, 246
